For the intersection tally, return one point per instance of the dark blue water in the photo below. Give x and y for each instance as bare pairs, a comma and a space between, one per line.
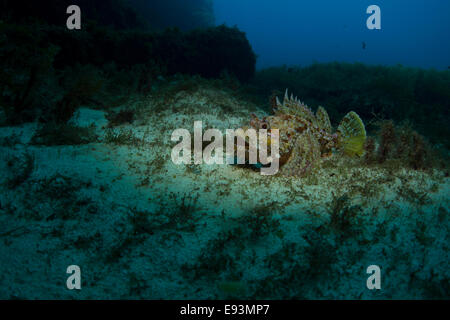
413, 33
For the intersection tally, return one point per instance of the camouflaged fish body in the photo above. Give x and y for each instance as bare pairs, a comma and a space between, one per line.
305, 137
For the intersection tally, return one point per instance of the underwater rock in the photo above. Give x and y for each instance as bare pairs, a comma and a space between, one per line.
2, 118
85, 117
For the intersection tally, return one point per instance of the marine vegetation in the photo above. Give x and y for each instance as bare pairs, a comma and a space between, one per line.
306, 138
60, 134
400, 145
400, 93
47, 71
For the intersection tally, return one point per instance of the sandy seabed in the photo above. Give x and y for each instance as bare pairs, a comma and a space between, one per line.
140, 226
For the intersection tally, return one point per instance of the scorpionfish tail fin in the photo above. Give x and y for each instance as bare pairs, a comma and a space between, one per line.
352, 134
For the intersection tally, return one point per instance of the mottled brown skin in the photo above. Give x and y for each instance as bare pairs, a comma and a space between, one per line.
299, 138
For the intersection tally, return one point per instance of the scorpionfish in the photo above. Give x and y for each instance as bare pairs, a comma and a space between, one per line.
306, 138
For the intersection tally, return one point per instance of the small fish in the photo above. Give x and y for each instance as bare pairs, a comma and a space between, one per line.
363, 45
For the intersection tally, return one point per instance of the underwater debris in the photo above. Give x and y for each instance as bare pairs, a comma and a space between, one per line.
306, 138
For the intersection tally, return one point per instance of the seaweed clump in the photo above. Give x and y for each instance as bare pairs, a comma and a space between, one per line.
59, 134
26, 72
401, 145
20, 167
88, 83
121, 117
223, 254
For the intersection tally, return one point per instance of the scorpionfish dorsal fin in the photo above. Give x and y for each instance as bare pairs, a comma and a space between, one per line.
293, 106
323, 120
